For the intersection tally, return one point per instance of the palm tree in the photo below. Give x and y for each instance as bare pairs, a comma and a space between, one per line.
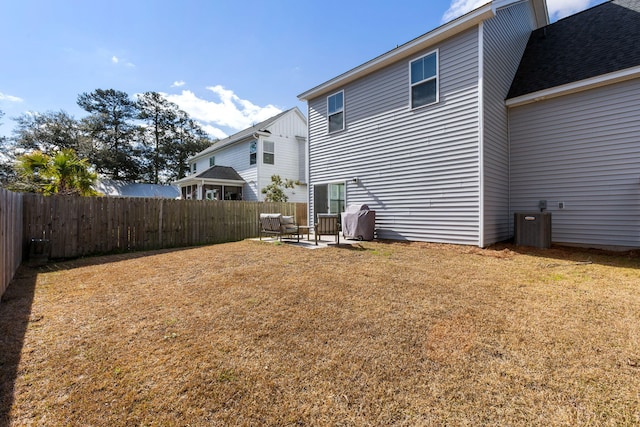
61, 173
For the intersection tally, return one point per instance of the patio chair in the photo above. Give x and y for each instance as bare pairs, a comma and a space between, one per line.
327, 225
279, 225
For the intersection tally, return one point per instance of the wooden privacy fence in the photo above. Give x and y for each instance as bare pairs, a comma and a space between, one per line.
79, 226
10, 236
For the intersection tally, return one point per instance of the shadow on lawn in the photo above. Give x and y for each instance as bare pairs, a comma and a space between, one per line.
92, 260
576, 255
15, 310
564, 254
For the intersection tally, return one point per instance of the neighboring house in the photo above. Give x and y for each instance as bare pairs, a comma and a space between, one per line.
420, 133
240, 166
423, 134
113, 188
574, 109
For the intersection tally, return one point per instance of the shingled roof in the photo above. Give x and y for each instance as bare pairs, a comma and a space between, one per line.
220, 172
597, 41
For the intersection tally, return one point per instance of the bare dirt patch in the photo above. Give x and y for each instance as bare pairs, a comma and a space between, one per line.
253, 333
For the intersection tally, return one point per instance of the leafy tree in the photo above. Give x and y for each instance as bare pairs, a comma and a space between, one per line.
188, 139
61, 173
275, 191
110, 125
7, 174
160, 117
49, 132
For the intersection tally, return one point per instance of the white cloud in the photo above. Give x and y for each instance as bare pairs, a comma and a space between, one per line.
178, 83
117, 60
229, 112
10, 98
214, 131
460, 7
559, 9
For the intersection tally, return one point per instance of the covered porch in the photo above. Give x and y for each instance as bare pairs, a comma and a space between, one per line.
216, 183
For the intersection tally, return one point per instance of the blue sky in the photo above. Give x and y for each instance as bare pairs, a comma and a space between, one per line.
229, 64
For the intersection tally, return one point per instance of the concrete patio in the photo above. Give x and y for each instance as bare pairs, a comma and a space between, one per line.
323, 242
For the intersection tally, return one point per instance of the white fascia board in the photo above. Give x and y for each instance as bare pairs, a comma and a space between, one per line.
216, 147
541, 13
574, 87
423, 42
184, 180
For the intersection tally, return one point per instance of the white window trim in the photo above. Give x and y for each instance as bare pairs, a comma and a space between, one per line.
273, 153
344, 125
255, 152
327, 183
436, 78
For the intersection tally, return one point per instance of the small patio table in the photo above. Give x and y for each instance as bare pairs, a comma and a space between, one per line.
302, 228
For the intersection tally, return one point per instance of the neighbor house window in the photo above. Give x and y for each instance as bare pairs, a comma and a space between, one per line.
335, 111
194, 167
253, 149
424, 80
268, 153
212, 161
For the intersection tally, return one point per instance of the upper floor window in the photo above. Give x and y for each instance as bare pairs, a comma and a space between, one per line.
424, 80
268, 153
253, 150
194, 168
212, 161
335, 111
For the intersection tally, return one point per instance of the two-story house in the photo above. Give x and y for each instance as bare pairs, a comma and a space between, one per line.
492, 113
420, 133
240, 166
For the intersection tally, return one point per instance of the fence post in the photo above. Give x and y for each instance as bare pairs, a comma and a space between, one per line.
11, 224
160, 224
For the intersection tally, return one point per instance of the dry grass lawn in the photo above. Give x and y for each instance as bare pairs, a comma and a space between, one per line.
255, 333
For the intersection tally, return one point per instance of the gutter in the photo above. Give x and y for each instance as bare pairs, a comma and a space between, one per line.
574, 87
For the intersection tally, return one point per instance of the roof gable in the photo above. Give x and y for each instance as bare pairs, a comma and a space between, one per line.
597, 41
248, 132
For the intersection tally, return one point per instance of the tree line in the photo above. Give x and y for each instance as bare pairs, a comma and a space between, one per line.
143, 139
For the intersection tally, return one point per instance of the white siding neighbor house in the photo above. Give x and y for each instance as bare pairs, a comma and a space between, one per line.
240, 166
420, 133
450, 134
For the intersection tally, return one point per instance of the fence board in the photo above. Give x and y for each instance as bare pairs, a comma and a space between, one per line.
11, 225
91, 225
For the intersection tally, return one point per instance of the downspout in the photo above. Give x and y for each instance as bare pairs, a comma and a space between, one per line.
307, 168
481, 134
509, 216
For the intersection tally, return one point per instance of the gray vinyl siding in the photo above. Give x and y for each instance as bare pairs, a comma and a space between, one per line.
417, 168
505, 38
584, 150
